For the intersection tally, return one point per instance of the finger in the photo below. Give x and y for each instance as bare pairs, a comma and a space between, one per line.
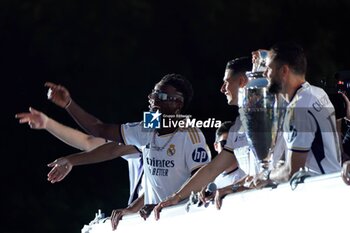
344, 96
156, 211
56, 178
50, 85
52, 164
33, 110
113, 219
116, 220
52, 173
61, 176
201, 197
21, 115
24, 120
209, 198
218, 201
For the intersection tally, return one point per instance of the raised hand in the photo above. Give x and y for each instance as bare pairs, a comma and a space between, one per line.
35, 119
58, 94
60, 169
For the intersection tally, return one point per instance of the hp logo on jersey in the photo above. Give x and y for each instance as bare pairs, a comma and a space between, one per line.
151, 120
199, 155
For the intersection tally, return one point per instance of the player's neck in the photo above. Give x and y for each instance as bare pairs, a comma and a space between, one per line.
164, 131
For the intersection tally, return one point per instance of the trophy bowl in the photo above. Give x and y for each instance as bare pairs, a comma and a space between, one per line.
258, 114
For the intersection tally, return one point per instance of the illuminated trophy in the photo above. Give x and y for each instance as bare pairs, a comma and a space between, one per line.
258, 112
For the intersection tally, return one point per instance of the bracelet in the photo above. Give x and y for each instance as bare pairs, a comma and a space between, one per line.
266, 174
235, 187
68, 104
180, 197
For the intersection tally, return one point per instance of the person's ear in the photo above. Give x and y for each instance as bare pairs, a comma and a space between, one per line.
180, 105
216, 146
243, 81
285, 70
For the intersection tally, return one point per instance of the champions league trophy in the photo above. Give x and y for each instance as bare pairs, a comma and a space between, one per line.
258, 112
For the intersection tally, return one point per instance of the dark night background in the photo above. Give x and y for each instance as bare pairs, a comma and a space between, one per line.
110, 54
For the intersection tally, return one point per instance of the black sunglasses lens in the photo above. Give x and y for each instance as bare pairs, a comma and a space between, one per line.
223, 143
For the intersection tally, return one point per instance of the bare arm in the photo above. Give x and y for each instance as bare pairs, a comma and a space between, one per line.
105, 152
60, 96
294, 161
62, 166
72, 137
204, 175
207, 173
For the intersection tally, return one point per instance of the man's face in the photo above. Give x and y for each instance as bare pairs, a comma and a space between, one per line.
231, 86
274, 75
219, 145
166, 99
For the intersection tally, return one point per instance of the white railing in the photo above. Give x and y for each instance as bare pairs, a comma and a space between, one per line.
320, 204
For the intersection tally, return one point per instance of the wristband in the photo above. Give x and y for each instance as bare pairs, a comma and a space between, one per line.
235, 188
180, 197
266, 174
68, 104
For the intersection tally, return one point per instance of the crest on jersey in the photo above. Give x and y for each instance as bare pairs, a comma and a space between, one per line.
171, 150
292, 133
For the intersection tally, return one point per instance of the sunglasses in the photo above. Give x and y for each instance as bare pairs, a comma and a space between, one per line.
222, 142
162, 96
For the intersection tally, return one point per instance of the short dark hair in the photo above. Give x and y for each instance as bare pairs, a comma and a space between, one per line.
292, 54
181, 84
224, 128
238, 65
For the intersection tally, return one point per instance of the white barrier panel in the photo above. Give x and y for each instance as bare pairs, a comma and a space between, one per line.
320, 204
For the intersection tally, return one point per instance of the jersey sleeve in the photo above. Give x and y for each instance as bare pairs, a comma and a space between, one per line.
198, 149
299, 130
134, 134
236, 138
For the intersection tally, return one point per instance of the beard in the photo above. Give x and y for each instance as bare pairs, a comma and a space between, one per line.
275, 87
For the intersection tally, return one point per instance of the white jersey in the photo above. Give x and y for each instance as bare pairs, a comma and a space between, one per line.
168, 159
225, 179
309, 126
238, 144
135, 165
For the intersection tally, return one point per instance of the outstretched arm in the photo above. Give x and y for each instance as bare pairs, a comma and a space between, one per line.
72, 137
62, 166
61, 97
204, 175
294, 162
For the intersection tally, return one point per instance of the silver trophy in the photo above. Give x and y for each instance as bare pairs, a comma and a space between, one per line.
258, 111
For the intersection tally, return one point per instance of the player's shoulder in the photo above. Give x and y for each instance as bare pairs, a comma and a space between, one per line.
195, 135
